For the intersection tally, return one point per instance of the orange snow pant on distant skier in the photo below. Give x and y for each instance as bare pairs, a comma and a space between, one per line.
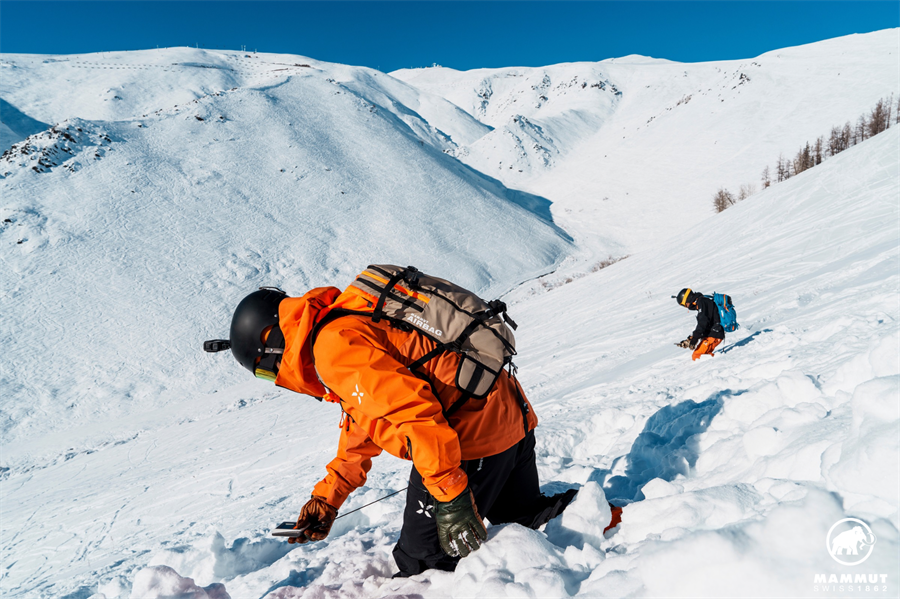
706, 347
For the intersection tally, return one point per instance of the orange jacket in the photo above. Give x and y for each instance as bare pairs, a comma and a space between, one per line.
363, 366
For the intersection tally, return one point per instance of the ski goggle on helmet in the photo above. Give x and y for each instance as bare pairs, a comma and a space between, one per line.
255, 340
684, 297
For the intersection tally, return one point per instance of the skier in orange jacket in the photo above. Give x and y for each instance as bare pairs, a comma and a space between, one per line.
469, 458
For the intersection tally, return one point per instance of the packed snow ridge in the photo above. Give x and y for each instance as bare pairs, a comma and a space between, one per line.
143, 199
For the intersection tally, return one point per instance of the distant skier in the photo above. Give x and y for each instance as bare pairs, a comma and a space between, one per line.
709, 332
399, 392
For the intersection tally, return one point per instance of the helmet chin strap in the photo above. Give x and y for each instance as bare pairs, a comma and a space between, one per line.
267, 368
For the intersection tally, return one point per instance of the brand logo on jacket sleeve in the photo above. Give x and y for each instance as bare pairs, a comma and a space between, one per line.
358, 394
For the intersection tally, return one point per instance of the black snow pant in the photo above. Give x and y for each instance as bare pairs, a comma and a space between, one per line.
506, 489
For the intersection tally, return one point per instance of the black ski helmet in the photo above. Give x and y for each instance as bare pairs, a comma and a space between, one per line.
685, 297
256, 313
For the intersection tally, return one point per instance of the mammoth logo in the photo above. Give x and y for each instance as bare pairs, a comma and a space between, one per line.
850, 538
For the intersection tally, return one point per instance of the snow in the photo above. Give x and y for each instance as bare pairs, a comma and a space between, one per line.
163, 581
136, 466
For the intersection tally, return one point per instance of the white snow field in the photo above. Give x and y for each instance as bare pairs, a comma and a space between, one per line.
136, 466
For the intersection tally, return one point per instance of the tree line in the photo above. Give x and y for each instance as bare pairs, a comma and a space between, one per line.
839, 139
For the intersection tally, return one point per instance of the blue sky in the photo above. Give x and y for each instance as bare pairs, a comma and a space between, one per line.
462, 35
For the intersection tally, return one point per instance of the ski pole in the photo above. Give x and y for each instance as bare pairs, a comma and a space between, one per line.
372, 503
286, 529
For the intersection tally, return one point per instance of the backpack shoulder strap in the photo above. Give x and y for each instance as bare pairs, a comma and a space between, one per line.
329, 318
379, 307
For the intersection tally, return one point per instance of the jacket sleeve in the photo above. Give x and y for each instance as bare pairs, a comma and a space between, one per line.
353, 362
704, 321
347, 472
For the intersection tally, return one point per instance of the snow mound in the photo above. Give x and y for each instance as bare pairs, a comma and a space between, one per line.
162, 582
583, 521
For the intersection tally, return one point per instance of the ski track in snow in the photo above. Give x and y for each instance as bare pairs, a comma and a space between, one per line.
159, 473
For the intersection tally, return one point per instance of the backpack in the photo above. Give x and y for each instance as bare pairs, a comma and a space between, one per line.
454, 318
727, 313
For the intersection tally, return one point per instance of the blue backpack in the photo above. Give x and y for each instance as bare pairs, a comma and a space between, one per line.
727, 314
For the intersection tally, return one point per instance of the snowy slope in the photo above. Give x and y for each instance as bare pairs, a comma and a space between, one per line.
119, 85
741, 461
128, 242
113, 86
537, 115
628, 171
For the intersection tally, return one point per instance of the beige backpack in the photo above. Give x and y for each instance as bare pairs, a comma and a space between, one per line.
454, 318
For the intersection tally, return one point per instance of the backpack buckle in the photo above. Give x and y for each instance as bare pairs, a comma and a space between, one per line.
411, 276
498, 308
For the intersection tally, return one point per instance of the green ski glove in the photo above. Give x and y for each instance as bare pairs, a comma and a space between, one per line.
460, 528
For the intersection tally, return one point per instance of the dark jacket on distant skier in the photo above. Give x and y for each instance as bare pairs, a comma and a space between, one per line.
707, 320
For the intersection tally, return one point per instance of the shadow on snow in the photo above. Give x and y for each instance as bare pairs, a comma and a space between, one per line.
743, 341
668, 446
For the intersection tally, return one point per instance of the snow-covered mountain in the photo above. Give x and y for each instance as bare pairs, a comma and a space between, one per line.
152, 228
167, 184
631, 150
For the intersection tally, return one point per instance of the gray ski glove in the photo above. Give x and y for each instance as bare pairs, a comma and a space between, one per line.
460, 529
685, 344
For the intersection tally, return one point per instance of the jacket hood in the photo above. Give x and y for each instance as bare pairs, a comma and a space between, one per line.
297, 316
